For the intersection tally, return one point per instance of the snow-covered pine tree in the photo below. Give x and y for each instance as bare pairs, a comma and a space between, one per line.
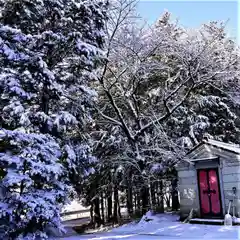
66, 40
32, 192
48, 53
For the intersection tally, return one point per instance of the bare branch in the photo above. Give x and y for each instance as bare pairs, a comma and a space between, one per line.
109, 118
166, 116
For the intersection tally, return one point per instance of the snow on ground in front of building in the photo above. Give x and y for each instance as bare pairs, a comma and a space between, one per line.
164, 227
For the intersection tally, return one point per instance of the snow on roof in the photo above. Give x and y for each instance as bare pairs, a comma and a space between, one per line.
226, 146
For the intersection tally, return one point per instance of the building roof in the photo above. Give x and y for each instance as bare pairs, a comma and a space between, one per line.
225, 146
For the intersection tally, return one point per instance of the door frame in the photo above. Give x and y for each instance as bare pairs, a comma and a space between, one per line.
219, 191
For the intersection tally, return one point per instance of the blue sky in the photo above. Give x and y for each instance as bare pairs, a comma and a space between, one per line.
193, 13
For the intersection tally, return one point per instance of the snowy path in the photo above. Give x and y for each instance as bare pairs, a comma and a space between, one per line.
164, 227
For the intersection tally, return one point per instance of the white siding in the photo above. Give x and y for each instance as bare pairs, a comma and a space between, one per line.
229, 186
230, 170
234, 161
186, 174
187, 181
188, 202
231, 178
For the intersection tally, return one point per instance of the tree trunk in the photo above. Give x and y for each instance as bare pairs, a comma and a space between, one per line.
167, 201
116, 203
129, 197
161, 197
105, 207
145, 197
102, 208
91, 215
150, 195
109, 206
135, 202
119, 210
175, 201
153, 194
96, 212
109, 197
138, 201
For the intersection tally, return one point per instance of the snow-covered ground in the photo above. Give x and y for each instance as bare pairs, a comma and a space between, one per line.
164, 227
75, 206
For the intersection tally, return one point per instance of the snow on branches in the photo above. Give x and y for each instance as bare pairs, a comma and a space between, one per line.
32, 193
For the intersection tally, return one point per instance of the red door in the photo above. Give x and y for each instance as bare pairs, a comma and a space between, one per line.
209, 194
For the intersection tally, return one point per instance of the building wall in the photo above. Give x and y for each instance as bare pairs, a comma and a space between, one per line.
188, 190
231, 178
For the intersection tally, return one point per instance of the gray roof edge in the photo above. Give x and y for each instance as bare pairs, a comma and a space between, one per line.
225, 146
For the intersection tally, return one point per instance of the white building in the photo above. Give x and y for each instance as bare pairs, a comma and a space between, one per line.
209, 178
